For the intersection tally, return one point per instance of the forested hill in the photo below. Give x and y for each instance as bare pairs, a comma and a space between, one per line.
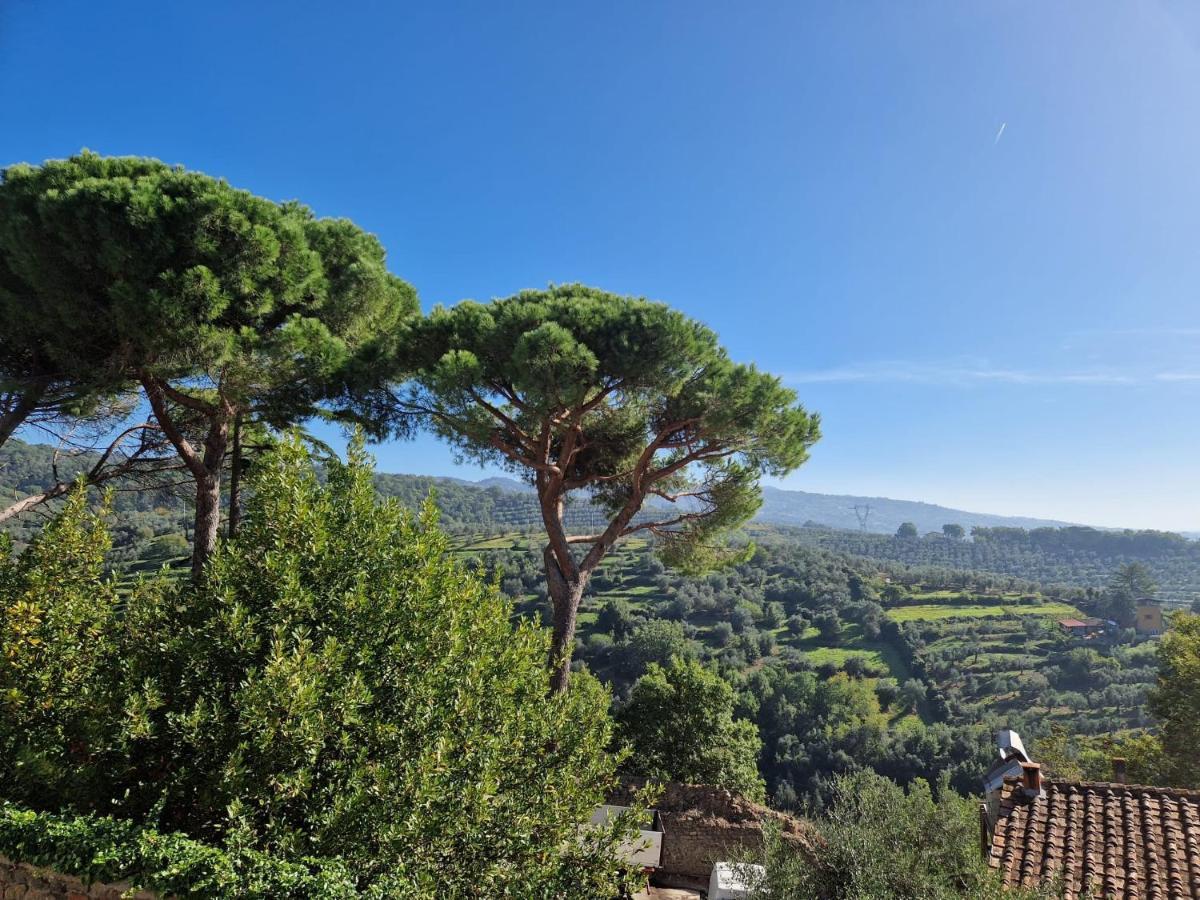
503, 504
883, 515
151, 527
1082, 557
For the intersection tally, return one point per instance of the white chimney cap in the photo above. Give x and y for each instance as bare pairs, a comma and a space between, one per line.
734, 881
1009, 744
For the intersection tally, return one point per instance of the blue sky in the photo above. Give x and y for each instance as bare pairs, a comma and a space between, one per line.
966, 233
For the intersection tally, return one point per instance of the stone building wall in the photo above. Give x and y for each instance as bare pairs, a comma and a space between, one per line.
703, 824
691, 848
19, 881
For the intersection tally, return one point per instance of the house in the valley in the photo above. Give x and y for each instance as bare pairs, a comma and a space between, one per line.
1083, 628
1149, 618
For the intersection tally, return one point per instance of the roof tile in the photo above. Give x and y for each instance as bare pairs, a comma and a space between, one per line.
1122, 841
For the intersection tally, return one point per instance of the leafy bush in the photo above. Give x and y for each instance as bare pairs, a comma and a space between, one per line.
655, 641
336, 687
62, 643
884, 843
680, 726
112, 850
1175, 700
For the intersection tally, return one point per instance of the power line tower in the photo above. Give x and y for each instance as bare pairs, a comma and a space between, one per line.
862, 512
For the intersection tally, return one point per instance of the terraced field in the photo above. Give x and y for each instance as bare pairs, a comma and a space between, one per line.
931, 611
992, 657
877, 654
1024, 669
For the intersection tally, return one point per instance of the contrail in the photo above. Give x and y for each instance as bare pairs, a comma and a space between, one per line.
1003, 125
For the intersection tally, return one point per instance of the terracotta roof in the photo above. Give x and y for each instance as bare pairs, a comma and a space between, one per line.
1126, 841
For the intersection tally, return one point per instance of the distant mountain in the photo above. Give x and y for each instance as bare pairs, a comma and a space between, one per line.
882, 515
505, 484
500, 502
784, 507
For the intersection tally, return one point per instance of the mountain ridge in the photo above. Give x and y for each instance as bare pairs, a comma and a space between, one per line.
24, 468
784, 506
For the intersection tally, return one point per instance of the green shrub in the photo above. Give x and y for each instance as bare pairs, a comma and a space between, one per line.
113, 850
680, 727
881, 842
61, 642
335, 687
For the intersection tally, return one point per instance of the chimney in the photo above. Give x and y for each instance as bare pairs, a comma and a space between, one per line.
1118, 765
1031, 779
985, 830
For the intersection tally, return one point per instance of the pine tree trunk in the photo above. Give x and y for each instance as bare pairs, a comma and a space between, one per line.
235, 479
208, 495
205, 468
565, 596
17, 413
207, 521
566, 609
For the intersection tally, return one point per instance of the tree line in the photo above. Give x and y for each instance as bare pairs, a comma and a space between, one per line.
1063, 557
151, 523
127, 285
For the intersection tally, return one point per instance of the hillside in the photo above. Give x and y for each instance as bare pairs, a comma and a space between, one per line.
786, 507
783, 507
152, 526
928, 644
918, 667
1038, 550
1076, 556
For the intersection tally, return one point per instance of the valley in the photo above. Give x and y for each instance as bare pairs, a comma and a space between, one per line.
926, 639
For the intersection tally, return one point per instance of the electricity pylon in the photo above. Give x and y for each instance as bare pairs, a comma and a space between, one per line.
862, 512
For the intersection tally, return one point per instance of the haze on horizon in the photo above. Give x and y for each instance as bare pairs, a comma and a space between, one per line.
966, 235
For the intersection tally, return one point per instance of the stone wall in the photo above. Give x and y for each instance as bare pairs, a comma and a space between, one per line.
690, 849
19, 881
703, 824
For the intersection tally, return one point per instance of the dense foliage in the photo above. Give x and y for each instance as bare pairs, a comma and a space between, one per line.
970, 652
1176, 699
220, 307
821, 706
337, 686
843, 664
1075, 757
1026, 671
680, 727
882, 842
98, 848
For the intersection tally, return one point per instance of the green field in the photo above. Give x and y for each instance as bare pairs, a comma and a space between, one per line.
955, 610
879, 655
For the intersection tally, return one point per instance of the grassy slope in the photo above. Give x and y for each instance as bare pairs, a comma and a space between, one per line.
948, 607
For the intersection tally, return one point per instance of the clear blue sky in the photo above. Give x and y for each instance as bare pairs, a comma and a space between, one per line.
968, 233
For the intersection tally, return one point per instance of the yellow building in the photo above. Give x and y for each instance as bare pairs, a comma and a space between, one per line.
1149, 617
